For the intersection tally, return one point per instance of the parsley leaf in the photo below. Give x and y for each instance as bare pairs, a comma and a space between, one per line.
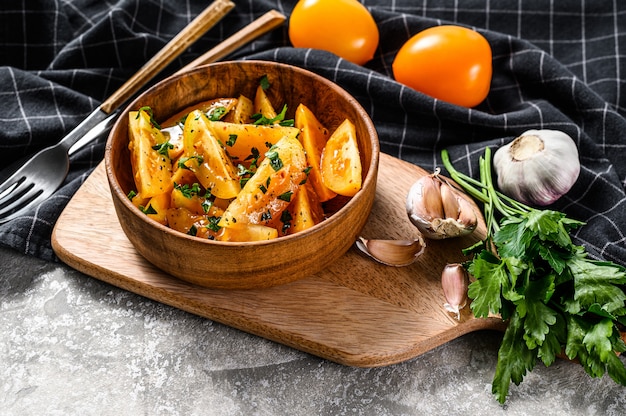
260, 119
188, 191
286, 196
163, 148
216, 113
490, 276
149, 210
150, 113
212, 223
182, 162
595, 283
538, 316
264, 82
514, 359
232, 138
274, 159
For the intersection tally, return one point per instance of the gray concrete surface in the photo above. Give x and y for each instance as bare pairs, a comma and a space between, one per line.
72, 345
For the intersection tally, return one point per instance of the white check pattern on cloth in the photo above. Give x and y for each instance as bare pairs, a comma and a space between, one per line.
557, 65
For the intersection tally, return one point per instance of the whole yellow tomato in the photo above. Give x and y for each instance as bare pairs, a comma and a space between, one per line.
450, 63
343, 27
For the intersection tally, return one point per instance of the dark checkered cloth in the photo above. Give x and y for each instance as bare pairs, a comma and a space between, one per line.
557, 65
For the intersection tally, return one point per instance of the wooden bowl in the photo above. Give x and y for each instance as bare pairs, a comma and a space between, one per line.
229, 265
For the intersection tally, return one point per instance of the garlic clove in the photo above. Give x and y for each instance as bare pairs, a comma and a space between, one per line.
459, 211
455, 281
438, 210
449, 201
424, 200
538, 167
395, 253
467, 215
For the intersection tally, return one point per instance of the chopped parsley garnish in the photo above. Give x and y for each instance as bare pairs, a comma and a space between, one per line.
245, 174
306, 171
275, 162
216, 114
188, 191
260, 119
206, 205
266, 216
163, 148
212, 225
286, 218
264, 82
254, 158
286, 196
131, 195
149, 111
149, 210
183, 160
232, 138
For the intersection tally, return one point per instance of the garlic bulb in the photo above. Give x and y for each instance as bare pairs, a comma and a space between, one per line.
538, 167
455, 281
392, 252
438, 209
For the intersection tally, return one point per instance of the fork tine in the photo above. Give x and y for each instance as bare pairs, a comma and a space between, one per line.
9, 189
6, 218
13, 190
9, 184
17, 201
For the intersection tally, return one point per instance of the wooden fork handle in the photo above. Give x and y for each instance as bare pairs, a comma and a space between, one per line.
258, 27
192, 32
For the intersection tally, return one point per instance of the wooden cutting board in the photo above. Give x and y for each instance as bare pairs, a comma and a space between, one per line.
355, 312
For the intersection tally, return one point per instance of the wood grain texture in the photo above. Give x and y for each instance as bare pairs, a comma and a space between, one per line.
354, 312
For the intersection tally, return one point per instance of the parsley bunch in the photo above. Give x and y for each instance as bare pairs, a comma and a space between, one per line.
555, 298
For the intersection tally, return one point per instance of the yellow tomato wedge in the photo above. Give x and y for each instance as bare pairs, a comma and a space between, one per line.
242, 113
305, 210
341, 162
191, 202
157, 208
241, 139
248, 232
268, 192
139, 201
215, 109
263, 105
183, 175
207, 158
193, 199
313, 136
187, 222
152, 170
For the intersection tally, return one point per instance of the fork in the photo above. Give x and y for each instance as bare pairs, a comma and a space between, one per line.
38, 178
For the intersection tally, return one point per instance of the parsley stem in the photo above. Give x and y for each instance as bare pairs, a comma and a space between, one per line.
484, 190
467, 182
487, 180
491, 205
